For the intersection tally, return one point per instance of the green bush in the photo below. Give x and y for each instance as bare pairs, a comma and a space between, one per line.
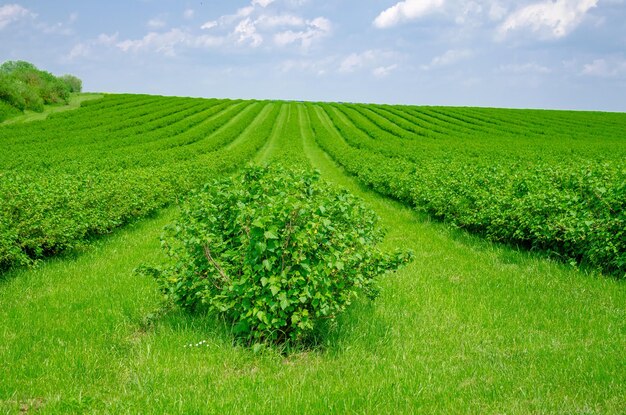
7, 111
11, 93
73, 83
274, 251
25, 87
30, 96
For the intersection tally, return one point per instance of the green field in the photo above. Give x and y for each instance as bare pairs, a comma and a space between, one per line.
515, 302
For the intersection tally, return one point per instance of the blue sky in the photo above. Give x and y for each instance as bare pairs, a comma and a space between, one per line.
567, 54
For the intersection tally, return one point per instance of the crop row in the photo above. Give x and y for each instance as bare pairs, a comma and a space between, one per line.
66, 179
287, 140
542, 197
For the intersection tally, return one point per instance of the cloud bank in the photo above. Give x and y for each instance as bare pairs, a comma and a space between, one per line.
10, 13
406, 10
548, 19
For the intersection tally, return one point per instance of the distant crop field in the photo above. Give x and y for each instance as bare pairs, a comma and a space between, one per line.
546, 180
553, 181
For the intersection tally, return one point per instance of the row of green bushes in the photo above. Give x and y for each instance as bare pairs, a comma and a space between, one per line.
571, 209
25, 87
67, 180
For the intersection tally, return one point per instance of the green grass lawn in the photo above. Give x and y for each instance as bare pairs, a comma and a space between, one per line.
468, 327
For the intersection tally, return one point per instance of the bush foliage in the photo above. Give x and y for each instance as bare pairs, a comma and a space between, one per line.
274, 251
7, 111
25, 87
89, 171
561, 190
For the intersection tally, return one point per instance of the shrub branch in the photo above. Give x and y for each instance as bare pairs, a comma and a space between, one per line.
207, 254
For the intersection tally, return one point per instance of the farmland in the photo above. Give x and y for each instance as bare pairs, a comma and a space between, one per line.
549, 181
515, 302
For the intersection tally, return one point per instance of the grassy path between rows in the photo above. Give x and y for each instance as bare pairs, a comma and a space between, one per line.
270, 146
468, 327
74, 102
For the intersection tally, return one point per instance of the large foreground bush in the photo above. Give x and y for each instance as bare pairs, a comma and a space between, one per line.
276, 252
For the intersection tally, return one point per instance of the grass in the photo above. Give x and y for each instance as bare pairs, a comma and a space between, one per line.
74, 102
66, 324
468, 327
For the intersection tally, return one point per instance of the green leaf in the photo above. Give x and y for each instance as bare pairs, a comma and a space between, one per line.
274, 289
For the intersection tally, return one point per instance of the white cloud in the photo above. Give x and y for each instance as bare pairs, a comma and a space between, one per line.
85, 49
107, 40
316, 29
14, 12
605, 68
247, 27
375, 60
262, 3
58, 28
244, 12
356, 61
10, 13
384, 71
79, 50
189, 14
160, 42
496, 11
450, 57
246, 33
230, 19
206, 41
156, 23
167, 42
406, 10
251, 25
548, 19
209, 25
269, 22
466, 11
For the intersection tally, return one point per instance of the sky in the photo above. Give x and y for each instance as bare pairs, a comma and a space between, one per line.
560, 54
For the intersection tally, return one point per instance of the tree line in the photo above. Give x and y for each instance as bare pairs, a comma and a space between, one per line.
25, 87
